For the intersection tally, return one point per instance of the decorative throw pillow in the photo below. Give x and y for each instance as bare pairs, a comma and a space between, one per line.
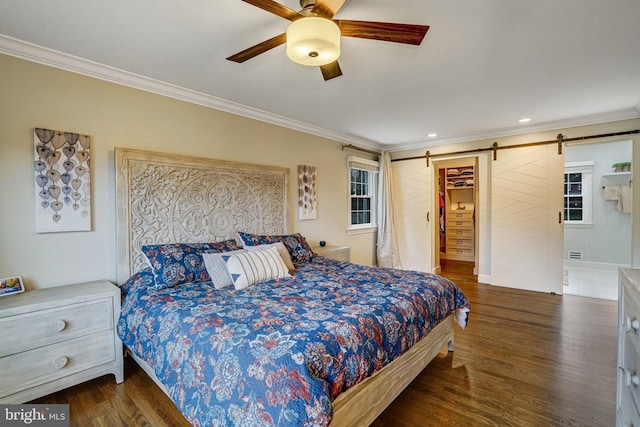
248, 268
217, 268
178, 263
296, 244
282, 250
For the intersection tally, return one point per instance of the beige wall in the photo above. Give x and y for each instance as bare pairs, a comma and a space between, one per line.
33, 95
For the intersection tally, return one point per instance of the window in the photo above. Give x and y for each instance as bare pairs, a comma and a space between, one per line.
363, 184
577, 193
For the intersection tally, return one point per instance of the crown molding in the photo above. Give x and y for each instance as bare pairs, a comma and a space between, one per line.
53, 58
594, 119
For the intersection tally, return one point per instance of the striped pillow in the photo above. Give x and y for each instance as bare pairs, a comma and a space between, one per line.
282, 250
248, 268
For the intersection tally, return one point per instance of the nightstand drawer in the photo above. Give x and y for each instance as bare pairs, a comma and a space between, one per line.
40, 328
627, 412
627, 396
631, 365
41, 365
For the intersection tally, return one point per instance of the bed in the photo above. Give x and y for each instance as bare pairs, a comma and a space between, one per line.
327, 343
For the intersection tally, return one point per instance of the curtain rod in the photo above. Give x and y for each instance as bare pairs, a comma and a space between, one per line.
494, 147
354, 147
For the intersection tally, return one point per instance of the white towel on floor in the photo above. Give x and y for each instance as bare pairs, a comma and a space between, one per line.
611, 192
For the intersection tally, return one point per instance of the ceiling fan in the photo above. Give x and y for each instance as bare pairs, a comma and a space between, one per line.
313, 37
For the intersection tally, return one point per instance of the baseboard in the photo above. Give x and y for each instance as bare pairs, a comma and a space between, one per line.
567, 263
484, 278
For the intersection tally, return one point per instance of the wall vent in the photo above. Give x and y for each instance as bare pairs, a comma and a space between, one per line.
575, 255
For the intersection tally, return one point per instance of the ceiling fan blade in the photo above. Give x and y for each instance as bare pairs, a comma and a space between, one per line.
275, 8
327, 8
386, 31
331, 70
256, 50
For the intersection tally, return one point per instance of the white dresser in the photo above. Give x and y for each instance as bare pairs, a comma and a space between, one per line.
340, 253
57, 337
628, 382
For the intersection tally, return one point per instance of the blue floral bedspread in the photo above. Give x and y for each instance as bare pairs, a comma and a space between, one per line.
279, 352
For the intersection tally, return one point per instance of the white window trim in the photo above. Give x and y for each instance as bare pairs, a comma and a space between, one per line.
586, 169
373, 166
355, 230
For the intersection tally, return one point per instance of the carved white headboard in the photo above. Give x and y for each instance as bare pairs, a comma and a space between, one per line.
168, 198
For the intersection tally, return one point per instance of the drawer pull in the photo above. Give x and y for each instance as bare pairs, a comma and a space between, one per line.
60, 362
58, 325
630, 325
630, 379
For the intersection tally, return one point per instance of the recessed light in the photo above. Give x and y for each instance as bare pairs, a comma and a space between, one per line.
432, 135
524, 120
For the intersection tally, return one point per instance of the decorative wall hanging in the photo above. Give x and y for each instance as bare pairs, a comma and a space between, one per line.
307, 192
62, 181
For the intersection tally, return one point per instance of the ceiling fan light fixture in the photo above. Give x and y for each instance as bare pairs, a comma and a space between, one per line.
313, 41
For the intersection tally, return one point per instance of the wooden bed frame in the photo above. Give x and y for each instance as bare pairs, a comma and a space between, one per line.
166, 198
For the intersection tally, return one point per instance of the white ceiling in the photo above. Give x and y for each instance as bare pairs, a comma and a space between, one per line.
482, 66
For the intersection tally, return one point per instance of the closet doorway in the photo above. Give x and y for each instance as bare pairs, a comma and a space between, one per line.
457, 206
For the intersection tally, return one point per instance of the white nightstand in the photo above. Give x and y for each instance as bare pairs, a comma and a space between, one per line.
57, 337
340, 253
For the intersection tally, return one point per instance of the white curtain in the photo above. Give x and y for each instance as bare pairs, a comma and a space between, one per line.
387, 245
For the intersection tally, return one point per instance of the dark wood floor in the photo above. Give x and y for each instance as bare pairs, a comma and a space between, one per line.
526, 359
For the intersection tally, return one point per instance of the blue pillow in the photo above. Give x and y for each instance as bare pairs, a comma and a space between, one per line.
297, 245
142, 279
178, 263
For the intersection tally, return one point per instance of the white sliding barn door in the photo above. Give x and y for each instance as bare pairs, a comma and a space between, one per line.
526, 230
413, 195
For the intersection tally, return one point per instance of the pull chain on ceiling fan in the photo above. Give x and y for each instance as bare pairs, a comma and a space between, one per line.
313, 37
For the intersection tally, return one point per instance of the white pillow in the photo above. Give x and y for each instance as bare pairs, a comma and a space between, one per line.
282, 250
247, 268
217, 268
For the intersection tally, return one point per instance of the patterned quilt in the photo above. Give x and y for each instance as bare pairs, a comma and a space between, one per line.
279, 352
